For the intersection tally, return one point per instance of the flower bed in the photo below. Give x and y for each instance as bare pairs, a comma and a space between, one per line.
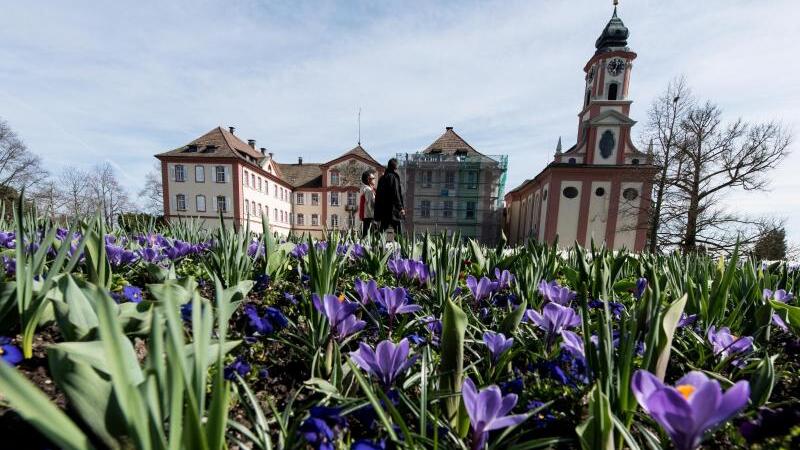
185, 339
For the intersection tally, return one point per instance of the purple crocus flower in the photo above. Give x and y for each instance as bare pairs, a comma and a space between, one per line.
573, 344
132, 293
488, 411
693, 407
394, 301
497, 343
386, 362
339, 314
641, 285
481, 289
299, 250
365, 290
239, 366
726, 344
552, 292
554, 318
504, 278
9, 353
687, 319
780, 296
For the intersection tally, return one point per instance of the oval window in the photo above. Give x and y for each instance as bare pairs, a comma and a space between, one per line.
599, 192
570, 192
630, 194
635, 161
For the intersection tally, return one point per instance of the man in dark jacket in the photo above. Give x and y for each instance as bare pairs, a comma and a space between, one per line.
389, 209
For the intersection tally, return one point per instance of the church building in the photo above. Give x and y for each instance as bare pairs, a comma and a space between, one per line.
598, 189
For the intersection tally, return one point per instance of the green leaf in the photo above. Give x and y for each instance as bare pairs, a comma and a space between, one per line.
512, 320
596, 432
792, 314
454, 326
668, 326
762, 381
37, 410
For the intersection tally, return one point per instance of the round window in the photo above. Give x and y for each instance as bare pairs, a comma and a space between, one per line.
570, 192
635, 161
630, 194
599, 192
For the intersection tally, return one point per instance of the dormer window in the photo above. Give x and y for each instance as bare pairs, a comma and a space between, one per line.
191, 148
461, 152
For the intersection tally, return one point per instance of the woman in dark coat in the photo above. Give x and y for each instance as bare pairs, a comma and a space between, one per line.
389, 209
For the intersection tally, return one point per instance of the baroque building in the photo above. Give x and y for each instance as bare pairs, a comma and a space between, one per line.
598, 189
219, 174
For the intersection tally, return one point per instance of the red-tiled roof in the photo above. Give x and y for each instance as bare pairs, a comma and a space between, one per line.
216, 143
450, 143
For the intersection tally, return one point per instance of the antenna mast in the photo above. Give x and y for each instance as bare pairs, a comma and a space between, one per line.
359, 125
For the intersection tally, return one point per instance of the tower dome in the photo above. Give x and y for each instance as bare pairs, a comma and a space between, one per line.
614, 35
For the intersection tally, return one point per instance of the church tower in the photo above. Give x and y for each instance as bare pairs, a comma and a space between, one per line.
598, 189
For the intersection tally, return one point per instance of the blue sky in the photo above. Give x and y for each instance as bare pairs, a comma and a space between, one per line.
83, 82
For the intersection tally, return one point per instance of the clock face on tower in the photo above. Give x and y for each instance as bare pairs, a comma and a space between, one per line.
616, 66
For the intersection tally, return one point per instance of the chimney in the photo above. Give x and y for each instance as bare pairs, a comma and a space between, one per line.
270, 155
263, 151
448, 128
300, 160
251, 143
231, 129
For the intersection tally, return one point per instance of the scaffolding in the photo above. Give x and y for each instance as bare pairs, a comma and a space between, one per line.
454, 192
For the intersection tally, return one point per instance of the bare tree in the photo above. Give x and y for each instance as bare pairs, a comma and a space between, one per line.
74, 187
19, 168
107, 195
712, 159
47, 198
664, 119
153, 191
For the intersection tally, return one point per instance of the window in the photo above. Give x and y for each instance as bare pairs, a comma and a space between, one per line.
425, 208
599, 192
334, 199
299, 198
351, 199
472, 180
260, 210
253, 207
275, 191
219, 172
266, 186
275, 214
630, 194
179, 174
314, 220
570, 192
447, 208
588, 97
612, 91
199, 174
301, 219
470, 211
252, 180
572, 161
180, 202
334, 221
200, 203
246, 208
315, 199
259, 184
427, 178
351, 221
334, 177
635, 161
222, 205
244, 178
450, 179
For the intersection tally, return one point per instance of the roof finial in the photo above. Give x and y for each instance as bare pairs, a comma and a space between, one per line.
558, 146
616, 2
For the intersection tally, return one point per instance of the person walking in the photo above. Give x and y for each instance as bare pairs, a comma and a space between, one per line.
389, 209
366, 202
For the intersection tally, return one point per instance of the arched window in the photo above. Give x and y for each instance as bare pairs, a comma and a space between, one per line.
588, 97
612, 91
572, 161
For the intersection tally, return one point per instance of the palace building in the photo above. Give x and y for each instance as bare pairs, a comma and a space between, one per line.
218, 173
598, 189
